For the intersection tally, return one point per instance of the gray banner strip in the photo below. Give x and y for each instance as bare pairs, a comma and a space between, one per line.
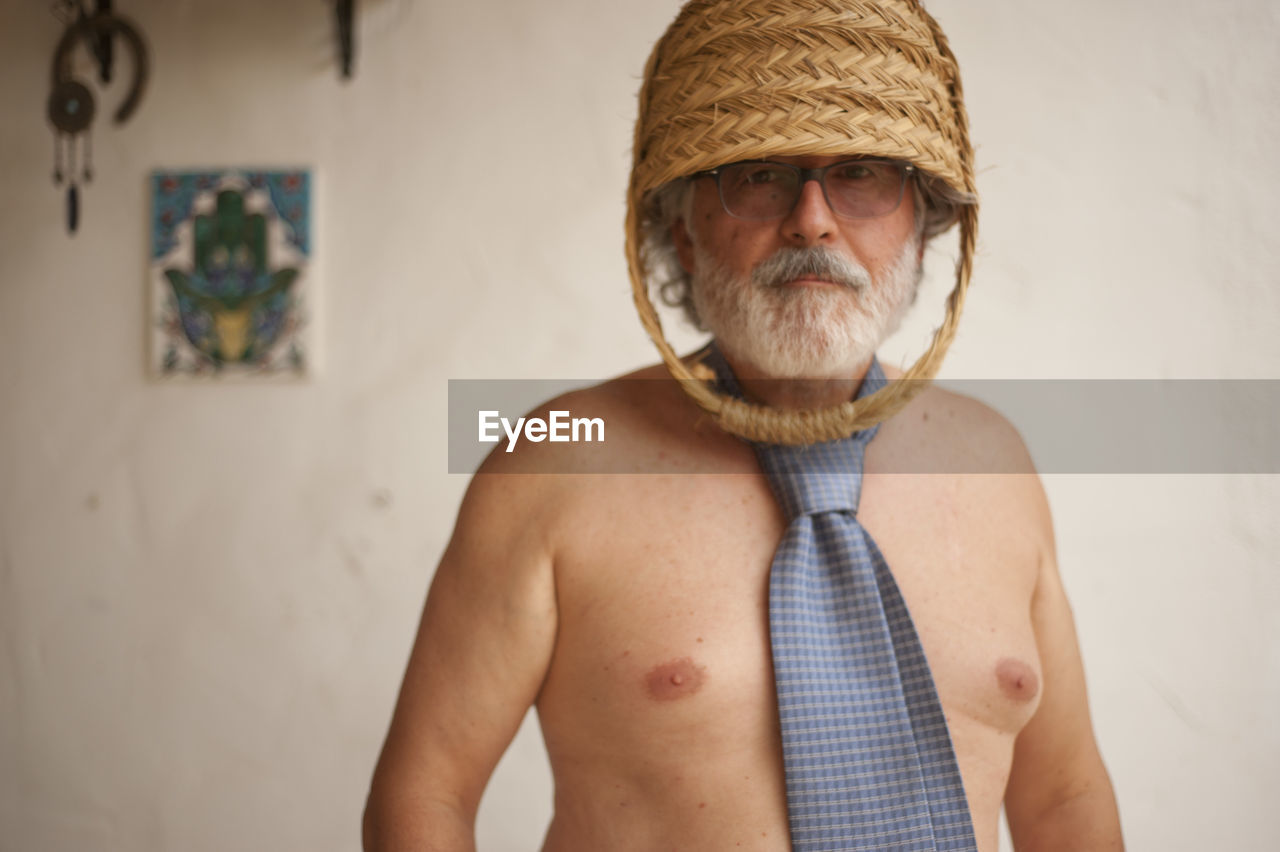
1069, 426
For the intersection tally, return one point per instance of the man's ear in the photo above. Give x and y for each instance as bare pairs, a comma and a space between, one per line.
683, 243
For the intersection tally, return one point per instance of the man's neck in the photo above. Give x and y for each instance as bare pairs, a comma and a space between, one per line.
807, 393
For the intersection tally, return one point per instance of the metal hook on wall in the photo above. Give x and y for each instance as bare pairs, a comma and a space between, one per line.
71, 106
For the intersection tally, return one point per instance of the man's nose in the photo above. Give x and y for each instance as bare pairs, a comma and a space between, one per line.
811, 221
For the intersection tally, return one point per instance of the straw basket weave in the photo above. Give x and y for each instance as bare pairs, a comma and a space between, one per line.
748, 79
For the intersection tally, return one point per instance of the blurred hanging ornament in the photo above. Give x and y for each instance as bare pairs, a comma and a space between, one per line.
71, 107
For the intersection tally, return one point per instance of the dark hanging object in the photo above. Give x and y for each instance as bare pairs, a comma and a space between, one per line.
73, 208
346, 12
71, 107
103, 47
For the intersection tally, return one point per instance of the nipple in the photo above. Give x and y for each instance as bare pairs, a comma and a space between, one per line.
1017, 679
676, 679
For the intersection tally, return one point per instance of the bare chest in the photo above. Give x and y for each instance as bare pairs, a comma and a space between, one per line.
664, 612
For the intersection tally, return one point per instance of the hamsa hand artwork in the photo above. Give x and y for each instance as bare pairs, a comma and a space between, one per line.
230, 262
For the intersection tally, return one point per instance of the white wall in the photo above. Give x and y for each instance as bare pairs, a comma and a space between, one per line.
207, 592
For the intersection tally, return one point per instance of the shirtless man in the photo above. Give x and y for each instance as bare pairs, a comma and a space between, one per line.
632, 610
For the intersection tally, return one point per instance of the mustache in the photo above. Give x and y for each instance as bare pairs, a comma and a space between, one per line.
789, 264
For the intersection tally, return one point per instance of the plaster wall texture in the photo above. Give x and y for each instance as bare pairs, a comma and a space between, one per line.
208, 592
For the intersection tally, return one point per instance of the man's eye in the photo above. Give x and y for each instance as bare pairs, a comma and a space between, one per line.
854, 172
761, 176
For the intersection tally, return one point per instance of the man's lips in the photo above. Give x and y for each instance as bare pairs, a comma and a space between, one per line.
809, 281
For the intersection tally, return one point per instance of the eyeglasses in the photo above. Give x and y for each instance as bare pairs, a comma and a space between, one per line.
854, 189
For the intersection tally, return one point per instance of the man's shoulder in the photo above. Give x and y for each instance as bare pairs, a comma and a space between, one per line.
639, 422
942, 431
977, 461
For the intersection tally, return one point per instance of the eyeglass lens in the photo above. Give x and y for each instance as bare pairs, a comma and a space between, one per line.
857, 189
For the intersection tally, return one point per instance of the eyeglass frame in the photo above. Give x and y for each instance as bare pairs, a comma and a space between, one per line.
819, 174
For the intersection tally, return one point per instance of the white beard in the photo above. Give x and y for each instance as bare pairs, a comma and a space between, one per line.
804, 332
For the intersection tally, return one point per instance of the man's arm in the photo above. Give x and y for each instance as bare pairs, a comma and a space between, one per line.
482, 651
1059, 795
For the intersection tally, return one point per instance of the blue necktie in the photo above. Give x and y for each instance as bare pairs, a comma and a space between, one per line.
868, 758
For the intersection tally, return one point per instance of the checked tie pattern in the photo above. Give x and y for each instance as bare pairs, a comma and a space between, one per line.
868, 758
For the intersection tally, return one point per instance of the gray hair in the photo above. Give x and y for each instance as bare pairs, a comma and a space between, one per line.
937, 207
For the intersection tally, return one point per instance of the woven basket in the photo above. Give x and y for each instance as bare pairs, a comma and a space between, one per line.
747, 79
